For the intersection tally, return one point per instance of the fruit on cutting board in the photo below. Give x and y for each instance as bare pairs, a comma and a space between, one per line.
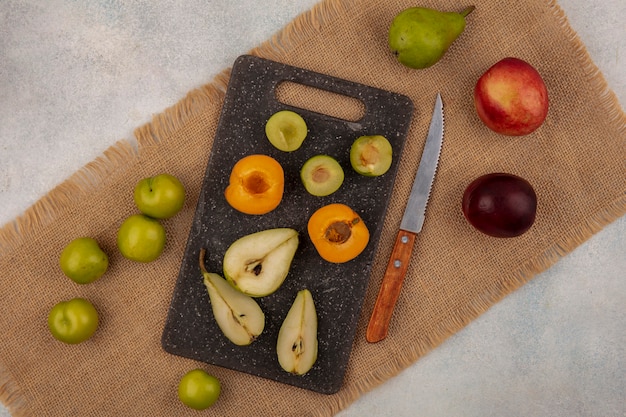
321, 175
238, 315
371, 155
511, 98
420, 36
83, 261
500, 204
256, 184
73, 321
160, 197
141, 238
337, 232
258, 263
296, 346
286, 130
198, 389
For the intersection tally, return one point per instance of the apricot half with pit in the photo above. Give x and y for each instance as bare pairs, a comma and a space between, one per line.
256, 185
338, 233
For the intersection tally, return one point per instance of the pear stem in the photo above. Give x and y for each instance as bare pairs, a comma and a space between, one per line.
467, 11
202, 267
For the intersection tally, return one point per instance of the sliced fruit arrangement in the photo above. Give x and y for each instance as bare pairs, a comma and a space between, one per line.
338, 233
258, 263
241, 319
296, 346
510, 98
238, 315
371, 155
256, 184
321, 175
286, 130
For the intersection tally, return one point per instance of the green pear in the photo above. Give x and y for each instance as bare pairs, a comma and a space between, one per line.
419, 36
238, 316
258, 263
296, 346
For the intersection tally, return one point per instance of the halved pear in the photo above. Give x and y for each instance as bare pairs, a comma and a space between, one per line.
257, 264
297, 338
238, 316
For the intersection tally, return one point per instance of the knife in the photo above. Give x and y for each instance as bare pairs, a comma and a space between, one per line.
410, 226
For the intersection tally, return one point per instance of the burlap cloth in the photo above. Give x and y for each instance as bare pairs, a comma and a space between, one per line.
576, 161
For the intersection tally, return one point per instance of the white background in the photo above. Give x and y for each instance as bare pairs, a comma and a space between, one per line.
76, 76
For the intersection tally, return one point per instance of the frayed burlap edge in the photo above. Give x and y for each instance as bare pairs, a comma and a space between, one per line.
302, 28
10, 394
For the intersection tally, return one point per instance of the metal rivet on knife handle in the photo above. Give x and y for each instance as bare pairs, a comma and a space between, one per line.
390, 287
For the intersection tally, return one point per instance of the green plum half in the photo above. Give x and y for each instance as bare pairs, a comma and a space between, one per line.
371, 155
321, 175
286, 130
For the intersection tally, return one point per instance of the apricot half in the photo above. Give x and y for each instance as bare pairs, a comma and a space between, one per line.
338, 233
256, 184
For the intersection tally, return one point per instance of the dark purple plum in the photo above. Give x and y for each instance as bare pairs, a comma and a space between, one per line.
500, 205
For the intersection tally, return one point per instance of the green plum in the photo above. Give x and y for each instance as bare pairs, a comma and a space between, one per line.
73, 321
160, 197
199, 390
141, 238
83, 261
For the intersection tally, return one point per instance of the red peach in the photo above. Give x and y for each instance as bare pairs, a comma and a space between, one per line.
511, 98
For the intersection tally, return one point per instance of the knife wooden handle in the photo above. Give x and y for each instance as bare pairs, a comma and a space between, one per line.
390, 287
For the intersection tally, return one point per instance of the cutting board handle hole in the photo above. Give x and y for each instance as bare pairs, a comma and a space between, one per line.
320, 101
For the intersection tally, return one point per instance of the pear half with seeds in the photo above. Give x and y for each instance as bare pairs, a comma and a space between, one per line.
258, 263
238, 316
296, 347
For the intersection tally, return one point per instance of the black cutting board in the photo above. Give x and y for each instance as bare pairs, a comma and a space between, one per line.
338, 289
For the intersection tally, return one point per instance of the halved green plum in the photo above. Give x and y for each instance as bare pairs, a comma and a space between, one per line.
371, 155
286, 130
321, 175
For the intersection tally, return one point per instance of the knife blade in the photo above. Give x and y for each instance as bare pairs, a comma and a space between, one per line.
411, 224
